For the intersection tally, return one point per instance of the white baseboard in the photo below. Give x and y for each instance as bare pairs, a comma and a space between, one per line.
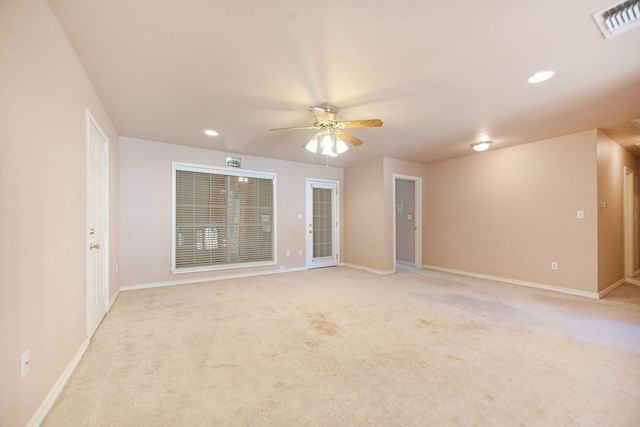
207, 279
407, 263
51, 398
610, 288
592, 295
113, 300
370, 270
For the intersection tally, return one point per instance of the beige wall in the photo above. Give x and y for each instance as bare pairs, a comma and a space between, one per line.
44, 92
145, 208
364, 216
370, 210
612, 159
511, 212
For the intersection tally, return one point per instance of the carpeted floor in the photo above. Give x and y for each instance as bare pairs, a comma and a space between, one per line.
339, 346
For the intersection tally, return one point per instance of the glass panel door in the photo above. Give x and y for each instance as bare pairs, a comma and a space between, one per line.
322, 224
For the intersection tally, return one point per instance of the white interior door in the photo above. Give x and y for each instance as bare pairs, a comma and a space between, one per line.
97, 225
322, 223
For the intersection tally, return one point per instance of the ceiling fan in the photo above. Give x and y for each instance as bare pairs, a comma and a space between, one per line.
330, 135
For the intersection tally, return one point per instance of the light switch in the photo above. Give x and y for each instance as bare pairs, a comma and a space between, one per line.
580, 214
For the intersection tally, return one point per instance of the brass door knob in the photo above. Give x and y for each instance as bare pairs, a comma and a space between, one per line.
94, 246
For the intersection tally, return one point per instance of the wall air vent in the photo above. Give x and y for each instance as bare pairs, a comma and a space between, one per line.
618, 18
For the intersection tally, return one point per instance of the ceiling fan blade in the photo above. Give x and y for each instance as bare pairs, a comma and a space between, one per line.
371, 123
296, 128
351, 139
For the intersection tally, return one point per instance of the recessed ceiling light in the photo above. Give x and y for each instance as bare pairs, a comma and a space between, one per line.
481, 145
211, 132
541, 76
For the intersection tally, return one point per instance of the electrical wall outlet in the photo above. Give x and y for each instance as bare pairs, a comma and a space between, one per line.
24, 364
554, 265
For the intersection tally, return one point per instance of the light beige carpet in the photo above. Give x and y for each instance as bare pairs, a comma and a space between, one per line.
338, 346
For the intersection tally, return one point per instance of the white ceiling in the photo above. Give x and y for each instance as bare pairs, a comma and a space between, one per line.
438, 73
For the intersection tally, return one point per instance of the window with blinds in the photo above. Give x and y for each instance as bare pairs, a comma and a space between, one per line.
222, 218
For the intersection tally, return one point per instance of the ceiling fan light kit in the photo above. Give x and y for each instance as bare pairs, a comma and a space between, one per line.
331, 137
330, 143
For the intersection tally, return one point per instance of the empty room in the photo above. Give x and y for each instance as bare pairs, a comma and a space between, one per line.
340, 213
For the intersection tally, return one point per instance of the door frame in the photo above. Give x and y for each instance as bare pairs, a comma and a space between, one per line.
628, 221
418, 217
335, 186
104, 250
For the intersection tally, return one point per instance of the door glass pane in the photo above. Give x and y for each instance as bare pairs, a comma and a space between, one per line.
322, 221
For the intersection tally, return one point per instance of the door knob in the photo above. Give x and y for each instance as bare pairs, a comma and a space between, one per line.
94, 246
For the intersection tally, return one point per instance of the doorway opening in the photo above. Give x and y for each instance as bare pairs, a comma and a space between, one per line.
407, 221
628, 223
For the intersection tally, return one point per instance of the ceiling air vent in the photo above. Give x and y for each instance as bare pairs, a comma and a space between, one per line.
618, 18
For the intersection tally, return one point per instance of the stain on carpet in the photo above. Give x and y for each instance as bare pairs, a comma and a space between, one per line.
424, 322
320, 323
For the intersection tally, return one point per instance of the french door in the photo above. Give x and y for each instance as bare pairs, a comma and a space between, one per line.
322, 223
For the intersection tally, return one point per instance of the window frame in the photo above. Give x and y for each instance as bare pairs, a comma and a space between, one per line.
224, 171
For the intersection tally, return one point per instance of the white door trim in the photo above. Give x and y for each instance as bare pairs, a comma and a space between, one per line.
92, 322
328, 184
418, 217
628, 221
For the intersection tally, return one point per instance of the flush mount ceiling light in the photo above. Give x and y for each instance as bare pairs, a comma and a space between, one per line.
481, 145
211, 132
541, 76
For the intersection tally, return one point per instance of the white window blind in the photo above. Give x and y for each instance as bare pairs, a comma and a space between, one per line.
222, 218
